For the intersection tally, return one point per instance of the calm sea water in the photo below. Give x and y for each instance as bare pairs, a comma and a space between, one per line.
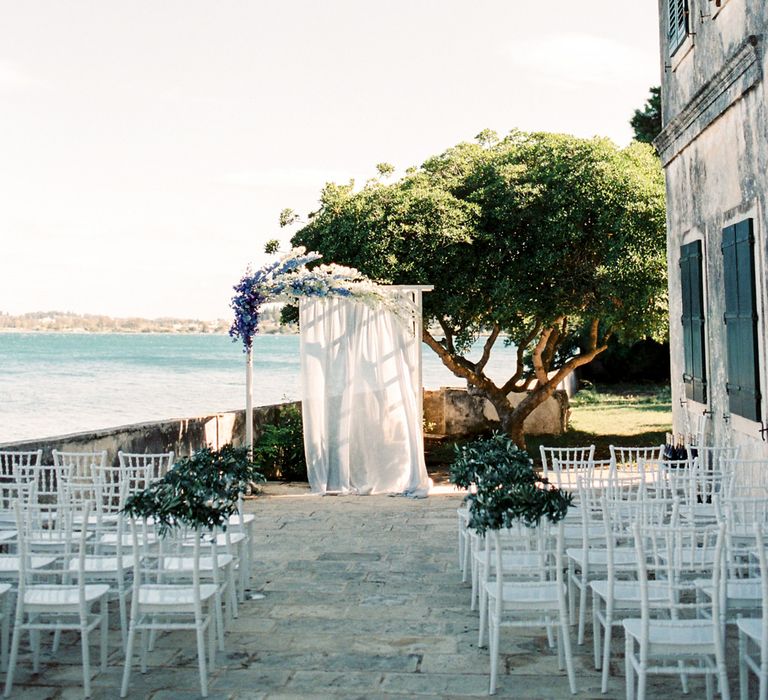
58, 383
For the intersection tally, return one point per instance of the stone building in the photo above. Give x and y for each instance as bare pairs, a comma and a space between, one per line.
714, 149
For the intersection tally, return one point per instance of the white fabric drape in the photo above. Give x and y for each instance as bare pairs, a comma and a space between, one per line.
362, 431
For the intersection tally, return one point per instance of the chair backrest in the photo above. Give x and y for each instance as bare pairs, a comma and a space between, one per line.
51, 527
678, 556
76, 467
140, 470
745, 511
634, 458
711, 458
545, 543
761, 540
18, 464
152, 571
564, 454
748, 475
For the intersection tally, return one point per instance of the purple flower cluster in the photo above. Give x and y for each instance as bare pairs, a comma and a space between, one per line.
255, 289
250, 295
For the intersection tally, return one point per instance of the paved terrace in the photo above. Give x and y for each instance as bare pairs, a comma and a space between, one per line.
362, 600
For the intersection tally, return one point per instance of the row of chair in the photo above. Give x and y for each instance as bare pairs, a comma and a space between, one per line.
72, 551
679, 508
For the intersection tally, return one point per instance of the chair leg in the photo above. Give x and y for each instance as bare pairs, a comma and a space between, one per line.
144, 643
608, 636
219, 620
104, 610
743, 673
121, 602
597, 651
128, 659
5, 633
14, 657
582, 607
211, 642
565, 634
571, 593
86, 659
232, 592
34, 640
629, 672
483, 605
201, 661
493, 645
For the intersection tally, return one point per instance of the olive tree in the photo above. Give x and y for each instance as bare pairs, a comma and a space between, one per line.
539, 240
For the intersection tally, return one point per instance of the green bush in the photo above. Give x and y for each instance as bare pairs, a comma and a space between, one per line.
198, 491
279, 451
506, 487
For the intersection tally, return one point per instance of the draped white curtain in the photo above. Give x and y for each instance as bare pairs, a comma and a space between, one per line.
362, 428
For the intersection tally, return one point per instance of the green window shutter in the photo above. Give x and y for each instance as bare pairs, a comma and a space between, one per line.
677, 23
695, 368
741, 320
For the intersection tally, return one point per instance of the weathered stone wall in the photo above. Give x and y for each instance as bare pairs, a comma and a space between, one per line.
715, 154
455, 412
183, 436
446, 412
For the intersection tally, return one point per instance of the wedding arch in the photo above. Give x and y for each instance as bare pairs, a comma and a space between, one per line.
361, 372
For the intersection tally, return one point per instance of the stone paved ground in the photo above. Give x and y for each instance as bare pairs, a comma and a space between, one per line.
362, 600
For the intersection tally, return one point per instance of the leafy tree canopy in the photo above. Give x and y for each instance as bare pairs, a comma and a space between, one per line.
533, 237
646, 122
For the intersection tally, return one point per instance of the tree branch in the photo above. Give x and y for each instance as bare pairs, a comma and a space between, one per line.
483, 361
520, 369
448, 332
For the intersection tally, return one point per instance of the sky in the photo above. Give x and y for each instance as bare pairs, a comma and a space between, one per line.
147, 148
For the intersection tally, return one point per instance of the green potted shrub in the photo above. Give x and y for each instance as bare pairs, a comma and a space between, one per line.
504, 487
199, 491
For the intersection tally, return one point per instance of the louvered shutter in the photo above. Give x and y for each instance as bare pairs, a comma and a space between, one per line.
677, 21
741, 320
695, 371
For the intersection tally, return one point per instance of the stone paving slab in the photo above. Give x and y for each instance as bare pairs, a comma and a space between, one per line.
363, 600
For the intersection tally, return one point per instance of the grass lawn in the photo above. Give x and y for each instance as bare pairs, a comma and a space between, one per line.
614, 415
602, 415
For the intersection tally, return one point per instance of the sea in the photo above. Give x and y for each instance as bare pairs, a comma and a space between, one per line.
59, 383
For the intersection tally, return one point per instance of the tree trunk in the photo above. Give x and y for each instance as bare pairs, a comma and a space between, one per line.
513, 419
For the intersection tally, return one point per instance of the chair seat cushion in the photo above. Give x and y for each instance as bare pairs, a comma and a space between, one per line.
622, 556
526, 593
169, 595
675, 637
61, 596
752, 627
186, 564
97, 565
627, 593
9, 563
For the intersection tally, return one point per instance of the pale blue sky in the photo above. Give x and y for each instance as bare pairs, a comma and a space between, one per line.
147, 148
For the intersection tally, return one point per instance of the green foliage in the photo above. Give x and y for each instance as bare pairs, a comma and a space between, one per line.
385, 169
535, 236
646, 122
506, 487
279, 451
198, 491
272, 246
288, 217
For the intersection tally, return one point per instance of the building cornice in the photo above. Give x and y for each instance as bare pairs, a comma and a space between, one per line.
740, 73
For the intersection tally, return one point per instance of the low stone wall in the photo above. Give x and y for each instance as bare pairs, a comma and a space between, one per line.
447, 411
455, 412
183, 435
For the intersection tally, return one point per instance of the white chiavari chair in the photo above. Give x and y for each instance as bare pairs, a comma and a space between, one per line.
537, 602
161, 604
753, 632
56, 606
682, 636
